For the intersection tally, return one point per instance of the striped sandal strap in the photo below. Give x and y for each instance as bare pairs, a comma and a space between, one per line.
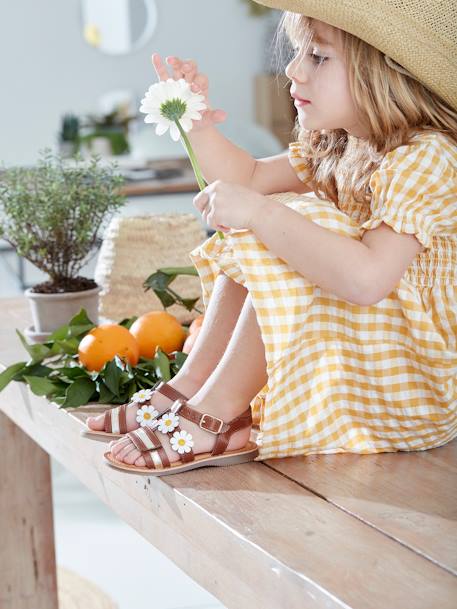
116, 420
151, 448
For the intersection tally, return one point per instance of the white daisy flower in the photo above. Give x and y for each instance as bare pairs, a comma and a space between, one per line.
173, 105
169, 101
168, 422
181, 441
146, 416
143, 395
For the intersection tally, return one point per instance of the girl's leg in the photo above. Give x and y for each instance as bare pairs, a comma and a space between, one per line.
235, 381
220, 318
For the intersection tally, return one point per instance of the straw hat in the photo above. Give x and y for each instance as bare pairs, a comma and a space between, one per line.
420, 35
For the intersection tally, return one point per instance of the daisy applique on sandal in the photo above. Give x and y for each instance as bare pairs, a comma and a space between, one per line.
149, 441
115, 422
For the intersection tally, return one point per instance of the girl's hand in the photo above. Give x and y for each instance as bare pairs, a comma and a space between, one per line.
224, 206
188, 70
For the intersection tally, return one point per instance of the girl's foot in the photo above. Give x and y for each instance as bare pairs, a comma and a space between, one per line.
125, 451
160, 402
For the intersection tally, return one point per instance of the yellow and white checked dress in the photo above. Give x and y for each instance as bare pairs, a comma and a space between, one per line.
344, 377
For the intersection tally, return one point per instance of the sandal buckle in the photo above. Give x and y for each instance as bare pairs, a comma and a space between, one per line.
220, 421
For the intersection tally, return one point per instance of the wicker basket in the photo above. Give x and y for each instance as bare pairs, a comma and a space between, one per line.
135, 247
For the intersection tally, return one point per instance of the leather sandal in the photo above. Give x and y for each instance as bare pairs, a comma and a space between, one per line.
149, 443
115, 422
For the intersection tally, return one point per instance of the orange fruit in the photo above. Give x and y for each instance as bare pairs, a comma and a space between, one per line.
190, 340
197, 323
158, 329
102, 343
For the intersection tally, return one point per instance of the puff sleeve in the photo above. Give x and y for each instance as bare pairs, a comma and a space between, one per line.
299, 162
414, 190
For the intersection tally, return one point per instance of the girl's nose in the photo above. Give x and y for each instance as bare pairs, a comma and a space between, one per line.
295, 70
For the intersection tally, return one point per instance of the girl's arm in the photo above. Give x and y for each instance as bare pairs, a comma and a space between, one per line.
217, 156
362, 272
221, 159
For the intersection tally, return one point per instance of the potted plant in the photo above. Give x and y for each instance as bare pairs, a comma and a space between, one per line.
52, 214
69, 135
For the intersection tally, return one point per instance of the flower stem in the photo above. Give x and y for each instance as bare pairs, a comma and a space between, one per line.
193, 160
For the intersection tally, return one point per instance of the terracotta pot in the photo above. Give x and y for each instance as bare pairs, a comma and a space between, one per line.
50, 311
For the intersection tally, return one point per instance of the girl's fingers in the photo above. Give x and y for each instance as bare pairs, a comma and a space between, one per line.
176, 65
189, 69
159, 67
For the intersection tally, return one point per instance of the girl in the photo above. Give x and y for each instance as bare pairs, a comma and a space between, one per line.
338, 307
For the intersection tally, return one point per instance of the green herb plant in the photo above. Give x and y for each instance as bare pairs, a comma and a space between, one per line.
53, 369
52, 214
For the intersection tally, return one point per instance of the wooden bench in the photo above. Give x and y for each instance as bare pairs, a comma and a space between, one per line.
327, 531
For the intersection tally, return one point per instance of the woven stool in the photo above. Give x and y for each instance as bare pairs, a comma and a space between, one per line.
135, 247
75, 592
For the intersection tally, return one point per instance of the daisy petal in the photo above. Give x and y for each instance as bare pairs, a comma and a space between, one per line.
174, 132
161, 128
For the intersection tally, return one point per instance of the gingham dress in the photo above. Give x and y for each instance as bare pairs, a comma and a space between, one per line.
344, 377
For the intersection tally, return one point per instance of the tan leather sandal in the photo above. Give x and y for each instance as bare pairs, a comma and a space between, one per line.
149, 443
115, 422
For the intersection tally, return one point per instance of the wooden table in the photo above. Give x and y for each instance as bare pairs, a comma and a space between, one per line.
328, 531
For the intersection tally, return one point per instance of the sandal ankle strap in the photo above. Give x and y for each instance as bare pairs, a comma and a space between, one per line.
210, 423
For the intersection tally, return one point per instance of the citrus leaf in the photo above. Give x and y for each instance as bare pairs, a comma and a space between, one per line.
8, 375
79, 393
189, 303
128, 322
73, 372
178, 270
158, 281
111, 374
162, 365
106, 396
80, 324
165, 298
41, 386
37, 352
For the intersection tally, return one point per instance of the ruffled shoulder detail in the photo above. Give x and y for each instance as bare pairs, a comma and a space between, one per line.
414, 190
299, 162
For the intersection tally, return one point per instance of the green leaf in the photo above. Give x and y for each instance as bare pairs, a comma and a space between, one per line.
111, 376
162, 365
40, 385
38, 370
73, 372
179, 270
158, 281
189, 303
7, 375
37, 352
106, 396
128, 322
58, 334
165, 298
79, 393
80, 324
68, 346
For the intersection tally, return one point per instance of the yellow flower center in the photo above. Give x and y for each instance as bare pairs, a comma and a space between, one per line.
167, 421
181, 442
147, 415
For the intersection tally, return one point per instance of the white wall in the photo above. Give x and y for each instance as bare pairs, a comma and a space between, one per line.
47, 69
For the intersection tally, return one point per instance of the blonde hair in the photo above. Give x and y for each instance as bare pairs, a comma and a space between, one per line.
391, 103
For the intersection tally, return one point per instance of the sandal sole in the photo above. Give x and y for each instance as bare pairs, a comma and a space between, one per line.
93, 435
232, 457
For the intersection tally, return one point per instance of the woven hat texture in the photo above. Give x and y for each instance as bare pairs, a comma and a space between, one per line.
135, 247
420, 35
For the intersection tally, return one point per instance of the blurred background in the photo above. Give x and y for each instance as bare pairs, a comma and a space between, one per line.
73, 75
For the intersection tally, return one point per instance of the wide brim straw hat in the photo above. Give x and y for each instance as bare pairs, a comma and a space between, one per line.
420, 35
